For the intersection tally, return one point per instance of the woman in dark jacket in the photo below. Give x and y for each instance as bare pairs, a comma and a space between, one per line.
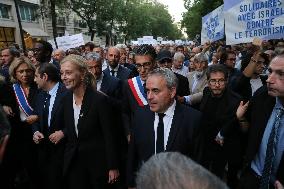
18, 102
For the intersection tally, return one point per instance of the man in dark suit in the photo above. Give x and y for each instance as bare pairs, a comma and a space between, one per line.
43, 52
122, 61
164, 126
49, 131
164, 59
134, 91
220, 130
114, 69
107, 84
265, 158
111, 86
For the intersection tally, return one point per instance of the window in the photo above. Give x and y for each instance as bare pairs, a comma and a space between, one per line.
6, 37
4, 11
28, 13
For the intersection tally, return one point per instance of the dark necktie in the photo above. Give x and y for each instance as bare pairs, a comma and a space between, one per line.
160, 134
144, 86
46, 109
112, 73
270, 151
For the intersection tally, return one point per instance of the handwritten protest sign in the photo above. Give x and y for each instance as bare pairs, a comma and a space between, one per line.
213, 26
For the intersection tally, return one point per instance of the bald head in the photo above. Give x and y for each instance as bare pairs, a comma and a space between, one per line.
113, 56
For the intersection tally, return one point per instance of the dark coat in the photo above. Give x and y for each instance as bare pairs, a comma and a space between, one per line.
96, 140
258, 114
122, 73
181, 138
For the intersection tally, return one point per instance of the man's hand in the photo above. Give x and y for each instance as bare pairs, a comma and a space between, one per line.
180, 99
219, 140
8, 110
31, 119
113, 176
242, 110
37, 137
278, 185
56, 136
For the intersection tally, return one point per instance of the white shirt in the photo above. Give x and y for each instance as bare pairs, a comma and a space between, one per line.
23, 116
76, 110
183, 71
52, 94
115, 70
168, 119
99, 82
255, 84
104, 66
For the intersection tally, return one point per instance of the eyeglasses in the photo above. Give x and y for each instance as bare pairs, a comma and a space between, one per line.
231, 59
215, 82
145, 65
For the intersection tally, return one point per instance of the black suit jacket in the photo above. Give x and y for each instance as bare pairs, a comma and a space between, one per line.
55, 122
96, 140
181, 138
111, 86
258, 114
219, 115
183, 86
129, 107
243, 86
122, 73
50, 155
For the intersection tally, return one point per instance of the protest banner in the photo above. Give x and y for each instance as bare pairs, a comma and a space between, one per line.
213, 26
247, 19
72, 41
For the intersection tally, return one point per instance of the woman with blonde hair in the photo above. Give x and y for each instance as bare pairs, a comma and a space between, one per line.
90, 159
18, 105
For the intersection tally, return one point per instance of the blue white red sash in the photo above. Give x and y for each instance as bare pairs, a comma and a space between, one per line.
138, 92
22, 100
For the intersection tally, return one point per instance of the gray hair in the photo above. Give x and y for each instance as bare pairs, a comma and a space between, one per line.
93, 56
201, 57
167, 74
179, 56
173, 170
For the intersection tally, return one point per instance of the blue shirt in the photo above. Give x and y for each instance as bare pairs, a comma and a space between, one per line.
258, 162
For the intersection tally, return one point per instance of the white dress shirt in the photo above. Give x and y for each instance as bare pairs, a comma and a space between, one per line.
115, 70
104, 65
76, 110
168, 119
183, 71
52, 94
99, 82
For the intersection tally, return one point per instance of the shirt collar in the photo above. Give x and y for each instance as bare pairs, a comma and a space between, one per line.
115, 69
170, 111
53, 91
278, 104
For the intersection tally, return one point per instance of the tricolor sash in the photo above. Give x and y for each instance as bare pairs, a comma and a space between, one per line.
138, 92
22, 100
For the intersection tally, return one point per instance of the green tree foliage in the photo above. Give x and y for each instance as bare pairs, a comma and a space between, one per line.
196, 9
130, 18
148, 18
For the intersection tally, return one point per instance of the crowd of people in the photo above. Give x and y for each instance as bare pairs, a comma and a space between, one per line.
136, 116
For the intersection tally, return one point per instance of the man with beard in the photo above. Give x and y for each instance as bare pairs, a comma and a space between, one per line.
114, 68
220, 131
